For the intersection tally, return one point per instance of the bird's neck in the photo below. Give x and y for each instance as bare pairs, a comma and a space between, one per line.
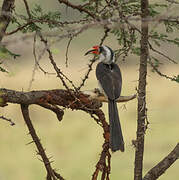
108, 61
109, 66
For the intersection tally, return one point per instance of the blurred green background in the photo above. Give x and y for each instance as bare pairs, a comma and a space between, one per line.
75, 143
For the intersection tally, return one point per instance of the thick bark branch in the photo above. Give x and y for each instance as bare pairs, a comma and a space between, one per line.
163, 165
91, 99
5, 18
55, 97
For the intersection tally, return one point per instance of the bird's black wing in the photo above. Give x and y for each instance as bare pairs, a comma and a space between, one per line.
110, 79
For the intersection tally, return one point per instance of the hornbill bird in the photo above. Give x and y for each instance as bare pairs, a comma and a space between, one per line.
110, 82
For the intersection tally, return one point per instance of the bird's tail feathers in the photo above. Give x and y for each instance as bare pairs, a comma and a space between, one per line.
116, 137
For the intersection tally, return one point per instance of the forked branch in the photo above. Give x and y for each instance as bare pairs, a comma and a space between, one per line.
88, 101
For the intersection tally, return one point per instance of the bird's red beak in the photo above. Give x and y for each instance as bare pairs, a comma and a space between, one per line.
95, 50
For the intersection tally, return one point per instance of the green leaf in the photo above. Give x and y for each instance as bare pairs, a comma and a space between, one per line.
55, 51
156, 63
136, 51
6, 54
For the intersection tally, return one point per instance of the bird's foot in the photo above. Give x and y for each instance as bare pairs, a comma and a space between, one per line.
98, 92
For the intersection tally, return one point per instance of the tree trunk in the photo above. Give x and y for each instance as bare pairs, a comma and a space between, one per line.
141, 115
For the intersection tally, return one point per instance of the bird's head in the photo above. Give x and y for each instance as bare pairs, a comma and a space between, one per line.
106, 55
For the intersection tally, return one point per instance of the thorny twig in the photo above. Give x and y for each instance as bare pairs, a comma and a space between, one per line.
7, 119
67, 49
54, 22
27, 9
93, 60
80, 8
104, 163
34, 49
160, 53
51, 174
158, 72
87, 73
37, 60
62, 76
58, 71
106, 32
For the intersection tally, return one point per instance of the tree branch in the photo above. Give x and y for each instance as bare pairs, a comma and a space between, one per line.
5, 16
27, 9
159, 72
80, 8
104, 163
64, 98
51, 174
163, 165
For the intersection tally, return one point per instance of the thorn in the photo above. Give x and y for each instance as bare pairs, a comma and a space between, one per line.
40, 160
50, 157
30, 143
134, 143
50, 162
37, 152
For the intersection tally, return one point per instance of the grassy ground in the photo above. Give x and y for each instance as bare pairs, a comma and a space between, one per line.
75, 143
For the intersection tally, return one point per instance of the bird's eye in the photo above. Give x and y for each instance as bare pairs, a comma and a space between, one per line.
101, 49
